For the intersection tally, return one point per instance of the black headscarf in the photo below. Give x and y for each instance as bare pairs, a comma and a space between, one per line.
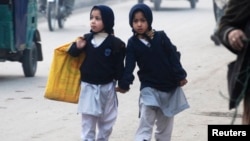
149, 17
145, 10
107, 17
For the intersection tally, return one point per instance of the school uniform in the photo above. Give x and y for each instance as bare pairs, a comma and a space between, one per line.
102, 67
161, 98
160, 73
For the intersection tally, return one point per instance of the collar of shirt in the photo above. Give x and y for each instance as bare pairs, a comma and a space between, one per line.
98, 39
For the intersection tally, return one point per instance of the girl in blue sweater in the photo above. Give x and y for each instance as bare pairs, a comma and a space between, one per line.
102, 67
160, 73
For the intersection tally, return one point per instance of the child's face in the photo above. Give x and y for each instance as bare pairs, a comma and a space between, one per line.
140, 24
96, 23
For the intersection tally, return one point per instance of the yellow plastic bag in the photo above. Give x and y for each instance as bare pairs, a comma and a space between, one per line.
63, 83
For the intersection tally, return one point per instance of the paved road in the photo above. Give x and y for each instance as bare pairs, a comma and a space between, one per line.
27, 116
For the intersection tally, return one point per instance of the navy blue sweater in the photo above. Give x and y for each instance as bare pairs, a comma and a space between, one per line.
102, 64
159, 65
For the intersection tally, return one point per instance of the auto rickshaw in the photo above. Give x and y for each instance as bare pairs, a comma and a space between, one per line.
19, 37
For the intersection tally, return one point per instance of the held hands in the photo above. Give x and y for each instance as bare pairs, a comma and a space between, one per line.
183, 82
118, 89
80, 42
235, 38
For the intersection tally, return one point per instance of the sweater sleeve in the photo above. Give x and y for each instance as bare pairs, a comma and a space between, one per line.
235, 17
130, 61
119, 55
74, 51
175, 59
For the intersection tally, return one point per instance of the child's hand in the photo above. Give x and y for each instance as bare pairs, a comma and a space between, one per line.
118, 89
80, 42
183, 82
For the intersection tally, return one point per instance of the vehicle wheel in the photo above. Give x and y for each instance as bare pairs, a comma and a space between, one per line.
29, 61
52, 19
140, 1
157, 4
61, 18
61, 22
193, 3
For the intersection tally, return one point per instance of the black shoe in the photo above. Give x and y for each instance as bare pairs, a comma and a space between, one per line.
216, 39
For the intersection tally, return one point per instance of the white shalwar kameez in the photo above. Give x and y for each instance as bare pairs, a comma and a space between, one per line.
98, 106
159, 108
